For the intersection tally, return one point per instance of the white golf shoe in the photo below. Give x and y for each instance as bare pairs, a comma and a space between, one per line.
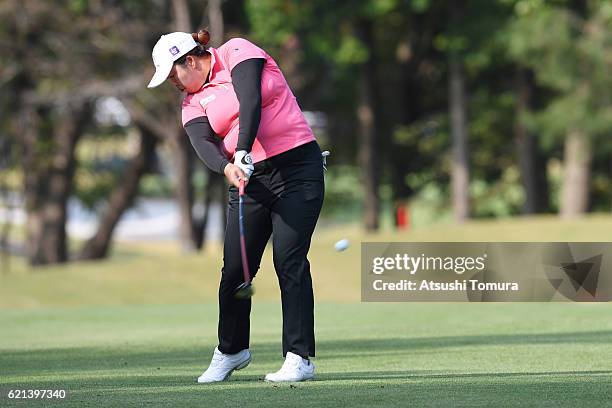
222, 365
295, 368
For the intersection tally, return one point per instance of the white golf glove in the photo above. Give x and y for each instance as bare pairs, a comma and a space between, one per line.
243, 159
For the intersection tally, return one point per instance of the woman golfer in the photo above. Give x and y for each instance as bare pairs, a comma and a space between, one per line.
243, 121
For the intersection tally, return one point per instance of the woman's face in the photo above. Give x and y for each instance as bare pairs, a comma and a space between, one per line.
191, 75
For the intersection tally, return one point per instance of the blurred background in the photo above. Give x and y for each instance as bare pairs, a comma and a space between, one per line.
438, 114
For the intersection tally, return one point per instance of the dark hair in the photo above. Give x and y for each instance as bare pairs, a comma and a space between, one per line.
202, 37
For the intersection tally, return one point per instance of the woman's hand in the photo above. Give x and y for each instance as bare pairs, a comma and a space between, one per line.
234, 174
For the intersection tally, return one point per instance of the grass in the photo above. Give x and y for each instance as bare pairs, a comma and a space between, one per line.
369, 354
137, 330
157, 272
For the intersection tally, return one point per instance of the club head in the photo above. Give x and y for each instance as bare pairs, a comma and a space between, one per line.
244, 291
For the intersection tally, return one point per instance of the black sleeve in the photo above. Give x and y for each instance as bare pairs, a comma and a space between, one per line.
246, 78
206, 144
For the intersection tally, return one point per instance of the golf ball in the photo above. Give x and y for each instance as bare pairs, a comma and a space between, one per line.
341, 245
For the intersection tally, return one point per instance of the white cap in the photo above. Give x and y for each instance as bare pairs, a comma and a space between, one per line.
168, 49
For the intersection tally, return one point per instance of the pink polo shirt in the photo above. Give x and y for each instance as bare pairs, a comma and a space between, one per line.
282, 126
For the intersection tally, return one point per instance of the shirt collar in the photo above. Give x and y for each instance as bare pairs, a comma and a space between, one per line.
213, 64
215, 67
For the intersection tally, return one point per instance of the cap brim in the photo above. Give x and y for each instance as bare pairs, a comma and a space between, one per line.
161, 74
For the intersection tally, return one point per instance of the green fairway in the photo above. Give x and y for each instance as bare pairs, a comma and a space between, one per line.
138, 329
392, 354
157, 272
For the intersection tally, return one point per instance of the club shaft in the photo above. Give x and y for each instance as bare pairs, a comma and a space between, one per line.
243, 253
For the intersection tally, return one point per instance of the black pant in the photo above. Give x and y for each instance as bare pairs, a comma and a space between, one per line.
283, 198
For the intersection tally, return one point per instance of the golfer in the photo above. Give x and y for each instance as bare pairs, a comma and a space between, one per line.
244, 122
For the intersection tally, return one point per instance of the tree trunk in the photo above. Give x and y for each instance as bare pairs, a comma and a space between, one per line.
216, 182
181, 15
408, 94
460, 172
213, 192
6, 162
48, 139
181, 152
215, 22
368, 155
183, 189
532, 164
201, 224
121, 198
577, 175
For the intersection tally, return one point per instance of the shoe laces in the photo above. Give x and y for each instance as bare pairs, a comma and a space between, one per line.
291, 364
216, 360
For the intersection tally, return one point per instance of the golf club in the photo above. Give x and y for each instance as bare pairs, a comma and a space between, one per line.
245, 290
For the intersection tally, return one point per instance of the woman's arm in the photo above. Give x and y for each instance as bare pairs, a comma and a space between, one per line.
205, 143
207, 147
246, 78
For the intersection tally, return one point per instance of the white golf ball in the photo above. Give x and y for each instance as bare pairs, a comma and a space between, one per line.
341, 245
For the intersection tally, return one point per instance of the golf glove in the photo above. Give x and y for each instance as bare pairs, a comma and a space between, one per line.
243, 159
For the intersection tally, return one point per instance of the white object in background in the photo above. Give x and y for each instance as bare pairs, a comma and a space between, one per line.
341, 245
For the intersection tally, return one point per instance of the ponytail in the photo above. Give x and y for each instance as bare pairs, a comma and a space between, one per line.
202, 37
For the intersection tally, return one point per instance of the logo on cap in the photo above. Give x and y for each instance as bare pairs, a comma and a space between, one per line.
174, 50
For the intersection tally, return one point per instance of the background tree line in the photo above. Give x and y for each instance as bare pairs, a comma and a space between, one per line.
474, 108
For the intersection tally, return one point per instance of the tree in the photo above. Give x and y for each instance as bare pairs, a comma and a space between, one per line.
470, 44
183, 156
460, 173
64, 56
368, 133
339, 74
565, 44
531, 162
122, 197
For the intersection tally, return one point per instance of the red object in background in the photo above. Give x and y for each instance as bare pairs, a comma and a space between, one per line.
402, 216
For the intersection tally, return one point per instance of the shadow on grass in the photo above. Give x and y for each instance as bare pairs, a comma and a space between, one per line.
354, 389
161, 375
430, 374
158, 357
